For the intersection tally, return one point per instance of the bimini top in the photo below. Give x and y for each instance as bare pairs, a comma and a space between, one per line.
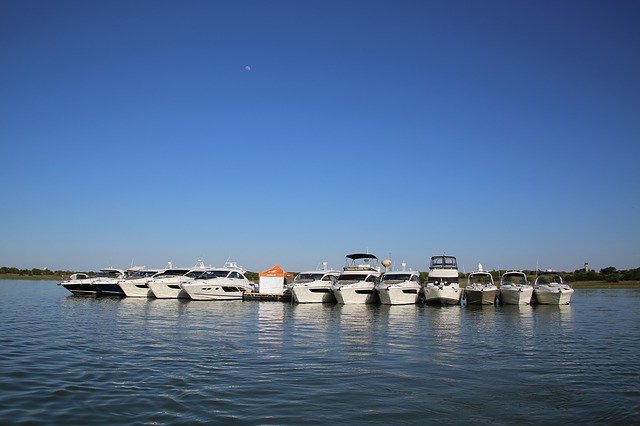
355, 256
443, 262
361, 261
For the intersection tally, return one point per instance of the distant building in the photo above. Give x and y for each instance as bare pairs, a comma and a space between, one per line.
586, 267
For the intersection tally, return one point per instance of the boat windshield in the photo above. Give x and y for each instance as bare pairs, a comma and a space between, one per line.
212, 274
141, 274
352, 277
172, 273
109, 274
549, 278
194, 274
444, 262
396, 277
484, 279
308, 277
514, 279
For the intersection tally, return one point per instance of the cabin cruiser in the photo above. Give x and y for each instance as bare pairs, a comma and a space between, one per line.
166, 285
480, 289
442, 286
399, 287
225, 283
356, 283
80, 284
549, 289
314, 286
515, 289
107, 283
136, 284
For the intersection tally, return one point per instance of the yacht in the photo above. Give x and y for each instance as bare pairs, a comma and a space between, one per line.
442, 286
136, 284
356, 283
79, 284
225, 283
166, 285
549, 289
314, 286
399, 287
515, 289
480, 290
107, 284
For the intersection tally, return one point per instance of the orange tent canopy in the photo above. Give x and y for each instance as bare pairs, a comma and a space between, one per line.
275, 271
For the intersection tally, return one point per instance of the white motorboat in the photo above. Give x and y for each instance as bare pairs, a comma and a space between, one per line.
225, 283
314, 286
136, 284
79, 284
480, 289
515, 289
356, 283
399, 287
442, 286
167, 284
549, 289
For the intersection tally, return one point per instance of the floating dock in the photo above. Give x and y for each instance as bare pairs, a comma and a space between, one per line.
267, 297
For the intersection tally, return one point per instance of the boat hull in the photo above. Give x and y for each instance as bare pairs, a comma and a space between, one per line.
398, 295
558, 297
516, 295
81, 289
109, 289
214, 291
308, 294
447, 295
168, 291
347, 295
481, 297
133, 289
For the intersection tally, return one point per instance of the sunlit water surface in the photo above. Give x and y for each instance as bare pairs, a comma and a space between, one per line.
87, 360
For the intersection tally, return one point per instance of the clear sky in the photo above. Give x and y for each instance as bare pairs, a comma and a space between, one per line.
292, 132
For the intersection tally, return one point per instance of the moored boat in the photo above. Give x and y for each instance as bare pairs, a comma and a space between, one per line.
107, 283
356, 283
442, 285
515, 289
167, 285
314, 286
480, 289
80, 284
224, 283
399, 287
136, 284
549, 289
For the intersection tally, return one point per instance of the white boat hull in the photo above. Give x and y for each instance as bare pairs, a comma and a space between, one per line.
447, 295
312, 294
516, 295
554, 296
135, 288
398, 295
167, 290
355, 294
214, 291
481, 297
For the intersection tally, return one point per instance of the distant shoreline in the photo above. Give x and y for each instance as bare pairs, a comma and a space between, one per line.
577, 284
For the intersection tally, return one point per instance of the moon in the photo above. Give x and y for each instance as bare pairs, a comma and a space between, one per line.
247, 68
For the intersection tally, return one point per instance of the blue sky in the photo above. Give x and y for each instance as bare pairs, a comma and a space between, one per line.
501, 132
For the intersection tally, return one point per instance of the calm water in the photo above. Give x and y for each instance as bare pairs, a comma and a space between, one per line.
84, 360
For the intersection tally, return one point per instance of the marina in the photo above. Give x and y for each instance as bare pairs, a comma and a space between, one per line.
168, 361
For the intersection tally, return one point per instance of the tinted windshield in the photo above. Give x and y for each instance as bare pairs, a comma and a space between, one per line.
310, 277
396, 277
514, 279
213, 274
443, 262
352, 277
172, 273
194, 274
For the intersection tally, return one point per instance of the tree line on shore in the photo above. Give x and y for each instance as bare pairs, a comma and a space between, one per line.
608, 274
